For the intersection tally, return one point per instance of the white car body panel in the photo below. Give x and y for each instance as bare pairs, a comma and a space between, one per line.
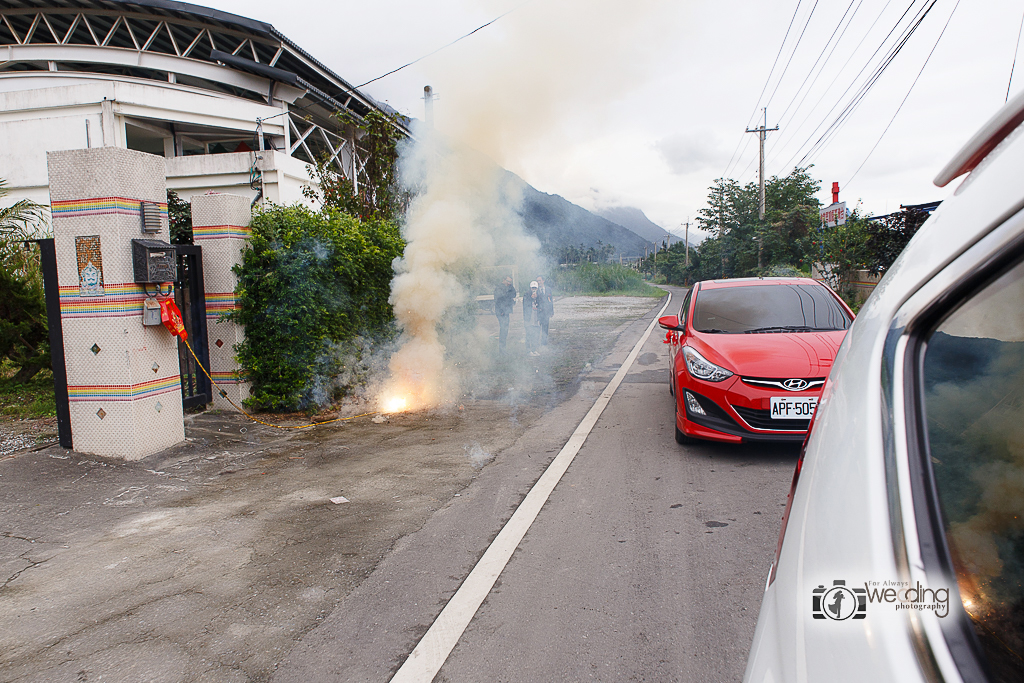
841, 523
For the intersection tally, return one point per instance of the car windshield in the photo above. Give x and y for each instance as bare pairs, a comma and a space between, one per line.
768, 308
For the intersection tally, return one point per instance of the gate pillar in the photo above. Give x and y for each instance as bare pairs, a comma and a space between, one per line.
124, 388
220, 223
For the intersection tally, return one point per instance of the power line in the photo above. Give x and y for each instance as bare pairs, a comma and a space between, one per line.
820, 55
927, 59
854, 102
764, 88
856, 77
783, 141
1015, 48
351, 90
792, 54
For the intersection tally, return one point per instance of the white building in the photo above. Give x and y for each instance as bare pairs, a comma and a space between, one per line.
229, 102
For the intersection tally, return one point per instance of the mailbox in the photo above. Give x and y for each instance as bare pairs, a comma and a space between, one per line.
154, 261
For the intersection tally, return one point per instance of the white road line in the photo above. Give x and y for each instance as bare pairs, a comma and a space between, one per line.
438, 642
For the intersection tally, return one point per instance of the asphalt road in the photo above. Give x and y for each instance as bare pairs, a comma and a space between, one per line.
647, 562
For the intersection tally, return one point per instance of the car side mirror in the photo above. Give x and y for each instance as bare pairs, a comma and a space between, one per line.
670, 322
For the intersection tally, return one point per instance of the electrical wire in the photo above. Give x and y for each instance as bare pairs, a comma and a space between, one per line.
765, 87
786, 68
354, 88
927, 59
434, 52
839, 39
793, 53
787, 137
854, 103
856, 77
1014, 65
820, 55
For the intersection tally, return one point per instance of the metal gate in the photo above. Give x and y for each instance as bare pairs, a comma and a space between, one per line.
191, 299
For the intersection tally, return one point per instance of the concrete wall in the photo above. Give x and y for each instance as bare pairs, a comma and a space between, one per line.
52, 112
123, 378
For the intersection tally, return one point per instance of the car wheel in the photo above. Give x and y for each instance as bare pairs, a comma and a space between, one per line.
681, 438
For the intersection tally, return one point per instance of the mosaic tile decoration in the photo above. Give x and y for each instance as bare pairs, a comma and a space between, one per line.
227, 377
100, 206
123, 392
90, 265
98, 193
209, 232
220, 303
122, 300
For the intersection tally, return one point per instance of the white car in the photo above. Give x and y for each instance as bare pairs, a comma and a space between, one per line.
901, 556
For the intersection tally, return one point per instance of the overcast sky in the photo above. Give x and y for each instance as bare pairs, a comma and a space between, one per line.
644, 103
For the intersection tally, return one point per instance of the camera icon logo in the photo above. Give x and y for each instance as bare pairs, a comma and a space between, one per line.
839, 603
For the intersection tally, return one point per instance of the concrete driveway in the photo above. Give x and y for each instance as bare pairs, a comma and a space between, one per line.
208, 561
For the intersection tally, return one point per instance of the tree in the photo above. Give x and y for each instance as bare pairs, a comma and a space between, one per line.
24, 335
308, 285
179, 215
742, 241
378, 194
843, 251
887, 236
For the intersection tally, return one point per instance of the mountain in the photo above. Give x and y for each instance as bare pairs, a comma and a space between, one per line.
635, 220
559, 224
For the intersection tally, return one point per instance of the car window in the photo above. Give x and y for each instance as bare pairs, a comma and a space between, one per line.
685, 308
973, 384
768, 308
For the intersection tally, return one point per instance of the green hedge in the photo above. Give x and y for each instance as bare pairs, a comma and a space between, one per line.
312, 285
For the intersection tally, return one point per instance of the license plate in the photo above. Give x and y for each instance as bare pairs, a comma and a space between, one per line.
793, 408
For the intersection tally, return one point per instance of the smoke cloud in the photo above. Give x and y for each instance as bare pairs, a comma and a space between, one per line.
546, 69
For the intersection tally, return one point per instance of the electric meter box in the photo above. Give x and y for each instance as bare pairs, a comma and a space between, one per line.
154, 261
151, 312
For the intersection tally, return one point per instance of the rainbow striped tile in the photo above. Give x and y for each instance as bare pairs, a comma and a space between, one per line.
209, 232
220, 303
120, 300
73, 208
124, 392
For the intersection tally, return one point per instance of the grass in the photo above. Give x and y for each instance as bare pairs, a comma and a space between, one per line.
33, 399
603, 279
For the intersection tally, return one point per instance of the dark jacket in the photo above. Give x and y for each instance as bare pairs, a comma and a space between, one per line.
504, 299
546, 305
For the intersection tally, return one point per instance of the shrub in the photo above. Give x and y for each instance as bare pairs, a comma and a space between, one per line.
603, 278
310, 284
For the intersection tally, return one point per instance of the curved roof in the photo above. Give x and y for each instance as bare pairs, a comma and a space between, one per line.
198, 36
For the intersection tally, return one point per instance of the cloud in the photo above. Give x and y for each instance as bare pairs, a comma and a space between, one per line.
687, 153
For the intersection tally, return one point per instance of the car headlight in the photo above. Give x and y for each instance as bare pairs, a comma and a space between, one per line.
703, 369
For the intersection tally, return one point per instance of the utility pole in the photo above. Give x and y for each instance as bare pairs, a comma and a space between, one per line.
686, 247
428, 105
761, 132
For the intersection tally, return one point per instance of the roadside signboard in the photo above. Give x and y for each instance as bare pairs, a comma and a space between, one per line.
834, 215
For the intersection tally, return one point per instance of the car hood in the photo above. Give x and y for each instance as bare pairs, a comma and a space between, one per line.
771, 355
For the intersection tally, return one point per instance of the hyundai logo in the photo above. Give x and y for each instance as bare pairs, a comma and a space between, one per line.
795, 384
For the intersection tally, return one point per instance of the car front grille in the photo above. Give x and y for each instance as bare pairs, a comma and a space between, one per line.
780, 383
762, 419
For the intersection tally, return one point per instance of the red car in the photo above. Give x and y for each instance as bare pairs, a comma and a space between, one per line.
750, 357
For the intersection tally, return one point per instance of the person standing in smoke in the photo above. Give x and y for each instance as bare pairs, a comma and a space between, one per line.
504, 301
545, 309
531, 319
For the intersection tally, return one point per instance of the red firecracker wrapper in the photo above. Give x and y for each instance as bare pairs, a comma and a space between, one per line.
171, 317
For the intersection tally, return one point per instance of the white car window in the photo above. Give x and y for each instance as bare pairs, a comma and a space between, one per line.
973, 382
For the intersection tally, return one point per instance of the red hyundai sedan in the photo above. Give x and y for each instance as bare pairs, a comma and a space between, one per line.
750, 357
